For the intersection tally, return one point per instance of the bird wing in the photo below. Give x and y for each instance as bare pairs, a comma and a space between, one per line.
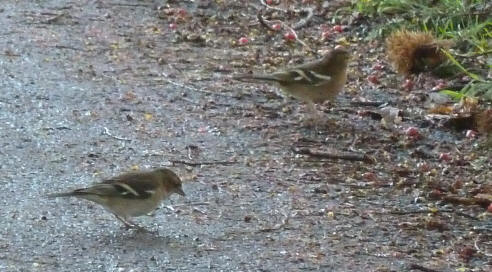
133, 186
301, 76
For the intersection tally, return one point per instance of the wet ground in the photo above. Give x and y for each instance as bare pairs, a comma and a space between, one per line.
90, 89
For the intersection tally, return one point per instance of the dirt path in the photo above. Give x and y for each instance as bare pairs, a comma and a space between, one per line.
83, 96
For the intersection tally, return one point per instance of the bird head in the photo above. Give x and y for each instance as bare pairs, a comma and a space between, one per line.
338, 57
170, 180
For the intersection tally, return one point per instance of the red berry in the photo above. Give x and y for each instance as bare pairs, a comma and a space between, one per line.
412, 132
337, 28
440, 85
173, 26
467, 252
269, 2
326, 34
471, 134
424, 167
339, 47
182, 12
436, 192
369, 176
290, 36
444, 157
378, 67
243, 40
374, 79
408, 84
276, 27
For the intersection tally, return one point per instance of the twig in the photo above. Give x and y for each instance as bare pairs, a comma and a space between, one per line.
106, 132
304, 21
466, 201
340, 156
166, 79
367, 103
437, 211
297, 38
410, 212
368, 185
421, 268
9, 33
278, 226
55, 17
480, 251
264, 22
9, 53
18, 260
68, 47
63, 7
128, 5
193, 204
203, 163
270, 7
171, 207
462, 214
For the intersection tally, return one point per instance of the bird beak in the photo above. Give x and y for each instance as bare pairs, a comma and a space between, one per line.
179, 191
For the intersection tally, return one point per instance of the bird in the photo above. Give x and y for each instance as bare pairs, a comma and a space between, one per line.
313, 82
131, 194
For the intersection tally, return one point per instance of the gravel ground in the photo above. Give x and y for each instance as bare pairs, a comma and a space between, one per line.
82, 97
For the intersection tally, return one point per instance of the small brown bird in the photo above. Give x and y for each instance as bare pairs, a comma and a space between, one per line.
313, 82
132, 194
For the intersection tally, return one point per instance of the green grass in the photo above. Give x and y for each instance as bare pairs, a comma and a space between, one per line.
467, 23
480, 89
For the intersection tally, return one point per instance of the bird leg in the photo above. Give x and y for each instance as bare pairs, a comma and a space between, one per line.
128, 224
313, 117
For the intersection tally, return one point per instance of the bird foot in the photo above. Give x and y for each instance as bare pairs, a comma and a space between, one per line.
318, 123
310, 122
130, 225
137, 228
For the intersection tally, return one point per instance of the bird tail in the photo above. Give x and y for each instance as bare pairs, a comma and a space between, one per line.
67, 194
248, 77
